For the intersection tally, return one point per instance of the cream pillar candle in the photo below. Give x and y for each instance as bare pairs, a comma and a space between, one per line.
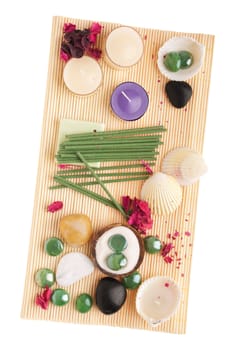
82, 75
157, 299
124, 47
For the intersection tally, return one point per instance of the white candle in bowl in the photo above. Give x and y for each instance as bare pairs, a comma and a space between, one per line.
157, 299
124, 47
82, 75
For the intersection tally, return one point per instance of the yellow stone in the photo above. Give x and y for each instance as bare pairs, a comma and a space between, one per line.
76, 229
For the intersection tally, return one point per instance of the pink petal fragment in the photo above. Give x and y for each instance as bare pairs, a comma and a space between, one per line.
94, 53
166, 285
69, 27
147, 167
42, 299
187, 233
95, 28
64, 166
55, 206
64, 56
166, 249
168, 259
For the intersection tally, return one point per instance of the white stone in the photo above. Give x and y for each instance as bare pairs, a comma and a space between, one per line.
73, 267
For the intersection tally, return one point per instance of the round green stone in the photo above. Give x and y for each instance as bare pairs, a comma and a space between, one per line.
116, 261
132, 281
152, 244
53, 246
84, 303
117, 243
45, 278
172, 61
60, 297
186, 59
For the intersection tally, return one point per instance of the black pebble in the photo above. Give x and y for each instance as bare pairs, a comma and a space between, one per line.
178, 92
110, 295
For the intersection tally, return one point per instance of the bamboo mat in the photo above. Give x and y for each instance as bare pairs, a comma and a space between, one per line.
185, 128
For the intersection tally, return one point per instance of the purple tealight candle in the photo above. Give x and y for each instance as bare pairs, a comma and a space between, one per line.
129, 101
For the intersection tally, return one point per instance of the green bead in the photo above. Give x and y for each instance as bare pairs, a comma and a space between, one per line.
60, 297
152, 244
53, 246
186, 59
84, 303
172, 61
117, 243
116, 261
132, 281
45, 278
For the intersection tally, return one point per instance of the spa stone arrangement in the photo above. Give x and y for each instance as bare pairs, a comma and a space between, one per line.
117, 186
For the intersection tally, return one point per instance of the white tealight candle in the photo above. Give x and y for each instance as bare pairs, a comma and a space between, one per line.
157, 299
82, 75
124, 47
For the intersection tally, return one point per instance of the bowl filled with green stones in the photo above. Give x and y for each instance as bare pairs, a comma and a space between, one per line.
180, 58
118, 250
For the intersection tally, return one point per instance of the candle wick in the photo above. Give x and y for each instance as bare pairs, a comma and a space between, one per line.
126, 96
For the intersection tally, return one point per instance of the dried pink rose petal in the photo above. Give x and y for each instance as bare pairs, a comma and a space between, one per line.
96, 28
42, 299
166, 249
69, 27
64, 166
187, 233
64, 56
94, 53
168, 259
147, 167
55, 206
166, 284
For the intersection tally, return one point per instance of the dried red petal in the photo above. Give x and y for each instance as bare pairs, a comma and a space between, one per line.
95, 28
126, 203
168, 259
187, 233
69, 27
64, 56
166, 249
166, 285
94, 53
42, 299
64, 166
55, 206
147, 167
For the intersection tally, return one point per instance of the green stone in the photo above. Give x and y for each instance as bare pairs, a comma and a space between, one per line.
53, 246
152, 244
60, 297
172, 61
116, 261
45, 278
186, 59
132, 281
84, 303
117, 243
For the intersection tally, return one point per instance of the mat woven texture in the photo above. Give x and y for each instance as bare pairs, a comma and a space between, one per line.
185, 128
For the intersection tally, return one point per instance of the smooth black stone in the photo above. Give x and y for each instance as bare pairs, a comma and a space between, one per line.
178, 92
110, 295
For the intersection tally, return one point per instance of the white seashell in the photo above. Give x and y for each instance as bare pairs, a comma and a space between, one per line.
163, 193
179, 44
157, 299
72, 267
186, 165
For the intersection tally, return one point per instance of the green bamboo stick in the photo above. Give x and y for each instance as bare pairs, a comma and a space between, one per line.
109, 141
117, 205
84, 191
81, 176
111, 167
135, 131
88, 183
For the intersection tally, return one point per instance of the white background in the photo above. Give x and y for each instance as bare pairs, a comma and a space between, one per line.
25, 39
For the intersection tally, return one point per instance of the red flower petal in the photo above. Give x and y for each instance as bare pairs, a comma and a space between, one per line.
187, 233
94, 53
168, 259
147, 167
64, 166
42, 299
64, 56
55, 206
69, 27
126, 203
166, 249
95, 28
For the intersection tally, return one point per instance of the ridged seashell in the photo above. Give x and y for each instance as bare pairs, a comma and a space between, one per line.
186, 165
163, 193
181, 44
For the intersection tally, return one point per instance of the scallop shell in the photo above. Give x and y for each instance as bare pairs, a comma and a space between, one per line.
178, 44
186, 165
157, 299
163, 193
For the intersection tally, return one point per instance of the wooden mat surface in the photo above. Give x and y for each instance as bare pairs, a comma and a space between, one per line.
185, 127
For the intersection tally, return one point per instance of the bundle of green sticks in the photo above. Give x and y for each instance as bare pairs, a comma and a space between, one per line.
132, 146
